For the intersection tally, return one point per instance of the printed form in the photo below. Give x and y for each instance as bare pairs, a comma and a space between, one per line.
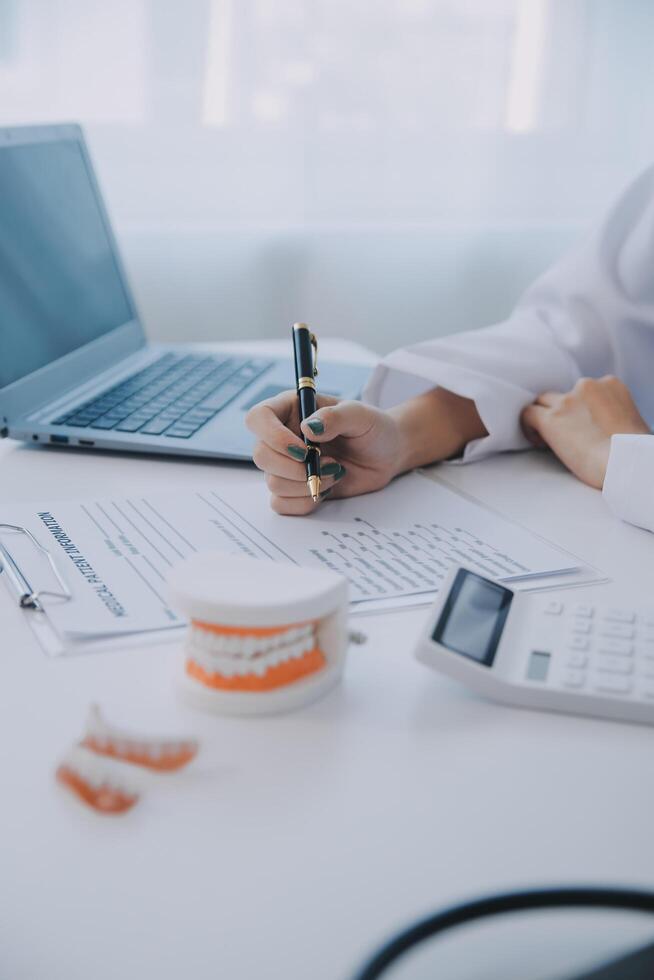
394, 547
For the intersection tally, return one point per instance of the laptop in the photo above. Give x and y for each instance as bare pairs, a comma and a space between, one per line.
76, 368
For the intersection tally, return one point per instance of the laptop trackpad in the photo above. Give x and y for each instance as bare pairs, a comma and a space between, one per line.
269, 391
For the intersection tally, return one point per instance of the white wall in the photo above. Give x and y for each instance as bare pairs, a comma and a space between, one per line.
389, 169
382, 288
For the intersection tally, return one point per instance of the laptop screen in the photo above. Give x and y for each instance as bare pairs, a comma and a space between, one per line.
60, 287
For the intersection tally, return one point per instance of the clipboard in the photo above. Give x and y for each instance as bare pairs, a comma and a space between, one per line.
31, 600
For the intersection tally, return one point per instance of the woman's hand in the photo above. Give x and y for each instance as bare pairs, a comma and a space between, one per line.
363, 448
578, 426
360, 449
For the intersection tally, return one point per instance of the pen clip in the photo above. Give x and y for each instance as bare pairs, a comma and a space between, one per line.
314, 343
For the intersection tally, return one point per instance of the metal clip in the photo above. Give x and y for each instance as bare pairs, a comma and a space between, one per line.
314, 344
28, 597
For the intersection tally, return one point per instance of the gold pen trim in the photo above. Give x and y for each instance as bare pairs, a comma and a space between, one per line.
305, 382
313, 483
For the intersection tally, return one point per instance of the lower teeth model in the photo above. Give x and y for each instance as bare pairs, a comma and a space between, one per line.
96, 782
231, 658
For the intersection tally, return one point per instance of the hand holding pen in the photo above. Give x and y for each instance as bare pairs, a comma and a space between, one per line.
360, 446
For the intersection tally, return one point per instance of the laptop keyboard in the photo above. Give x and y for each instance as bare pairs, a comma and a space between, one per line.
175, 396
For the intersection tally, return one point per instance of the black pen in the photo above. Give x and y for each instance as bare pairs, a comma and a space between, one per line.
305, 350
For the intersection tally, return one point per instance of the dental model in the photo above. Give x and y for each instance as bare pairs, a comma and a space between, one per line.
100, 768
263, 636
100, 785
162, 754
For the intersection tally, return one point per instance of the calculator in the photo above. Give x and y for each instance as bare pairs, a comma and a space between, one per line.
562, 655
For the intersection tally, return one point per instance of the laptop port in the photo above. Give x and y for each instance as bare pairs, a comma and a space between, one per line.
85, 442
60, 440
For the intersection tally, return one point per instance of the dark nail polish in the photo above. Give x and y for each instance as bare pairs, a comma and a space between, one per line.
316, 426
297, 453
326, 493
330, 469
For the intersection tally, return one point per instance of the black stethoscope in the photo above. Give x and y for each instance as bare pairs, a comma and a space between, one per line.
547, 898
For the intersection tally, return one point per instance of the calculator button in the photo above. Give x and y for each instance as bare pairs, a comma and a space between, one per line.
614, 665
581, 626
620, 616
578, 643
573, 678
554, 608
622, 647
583, 609
577, 660
613, 685
621, 630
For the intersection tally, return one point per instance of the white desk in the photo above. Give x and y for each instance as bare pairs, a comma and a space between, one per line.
296, 843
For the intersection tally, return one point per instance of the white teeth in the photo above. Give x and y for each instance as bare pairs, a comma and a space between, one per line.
95, 770
236, 655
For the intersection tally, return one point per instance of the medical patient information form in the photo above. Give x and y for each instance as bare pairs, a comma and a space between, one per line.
394, 546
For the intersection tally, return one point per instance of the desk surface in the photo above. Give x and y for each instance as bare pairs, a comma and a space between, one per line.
294, 844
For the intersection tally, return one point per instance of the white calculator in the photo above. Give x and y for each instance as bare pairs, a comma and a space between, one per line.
530, 650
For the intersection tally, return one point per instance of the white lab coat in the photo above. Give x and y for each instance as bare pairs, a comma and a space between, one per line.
590, 315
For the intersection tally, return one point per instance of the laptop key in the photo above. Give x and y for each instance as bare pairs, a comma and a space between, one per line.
156, 426
130, 424
199, 416
181, 432
104, 423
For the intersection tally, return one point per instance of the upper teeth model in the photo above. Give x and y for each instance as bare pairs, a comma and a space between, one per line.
251, 659
161, 753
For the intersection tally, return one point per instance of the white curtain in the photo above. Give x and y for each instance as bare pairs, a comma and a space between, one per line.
283, 139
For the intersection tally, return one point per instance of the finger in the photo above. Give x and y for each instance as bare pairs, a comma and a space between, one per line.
269, 421
549, 399
279, 487
293, 506
285, 464
530, 433
349, 418
534, 418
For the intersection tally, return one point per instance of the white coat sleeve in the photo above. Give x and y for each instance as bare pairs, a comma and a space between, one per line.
566, 326
629, 482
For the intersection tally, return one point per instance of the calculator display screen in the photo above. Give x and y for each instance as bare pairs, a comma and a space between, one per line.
473, 617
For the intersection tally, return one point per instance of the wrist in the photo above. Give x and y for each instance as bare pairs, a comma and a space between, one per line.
435, 426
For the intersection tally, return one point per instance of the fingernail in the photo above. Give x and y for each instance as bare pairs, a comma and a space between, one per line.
297, 453
331, 469
326, 493
317, 426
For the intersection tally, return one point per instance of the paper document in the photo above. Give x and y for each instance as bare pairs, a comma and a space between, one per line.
394, 547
